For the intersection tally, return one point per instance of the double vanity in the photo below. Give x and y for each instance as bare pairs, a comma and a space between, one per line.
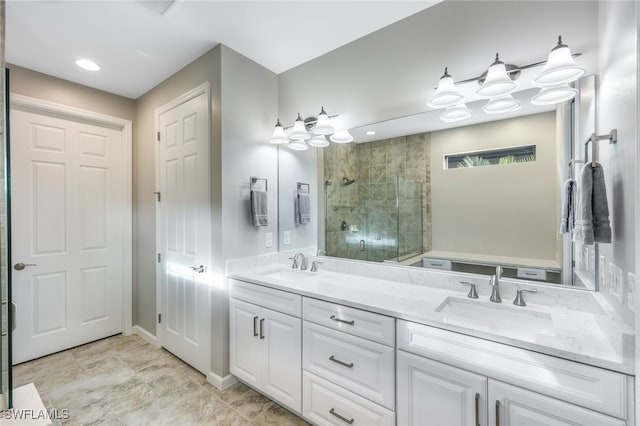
365, 344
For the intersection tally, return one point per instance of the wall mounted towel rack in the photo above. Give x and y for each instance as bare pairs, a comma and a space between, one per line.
304, 188
612, 136
253, 180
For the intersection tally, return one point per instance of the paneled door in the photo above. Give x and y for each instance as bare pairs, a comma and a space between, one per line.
184, 228
69, 207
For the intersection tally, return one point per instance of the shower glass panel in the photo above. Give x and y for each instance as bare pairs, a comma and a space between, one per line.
375, 219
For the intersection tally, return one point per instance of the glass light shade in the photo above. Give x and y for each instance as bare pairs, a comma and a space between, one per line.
341, 136
560, 67
554, 95
279, 136
299, 130
497, 83
446, 93
323, 125
318, 141
298, 145
501, 105
455, 113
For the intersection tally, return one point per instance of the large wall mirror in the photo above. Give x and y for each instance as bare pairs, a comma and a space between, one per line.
466, 196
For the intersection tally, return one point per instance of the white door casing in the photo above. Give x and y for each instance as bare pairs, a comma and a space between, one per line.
71, 220
184, 227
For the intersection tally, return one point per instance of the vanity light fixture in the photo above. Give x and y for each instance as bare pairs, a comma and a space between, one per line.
298, 145
279, 136
497, 83
455, 113
341, 136
560, 68
323, 125
299, 130
506, 103
554, 95
446, 93
87, 64
318, 141
370, 132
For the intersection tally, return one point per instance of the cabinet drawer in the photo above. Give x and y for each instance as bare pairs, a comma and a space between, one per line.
281, 301
591, 387
362, 366
376, 327
327, 404
532, 274
445, 265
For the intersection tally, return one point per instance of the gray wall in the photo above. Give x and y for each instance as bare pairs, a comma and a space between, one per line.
37, 85
617, 108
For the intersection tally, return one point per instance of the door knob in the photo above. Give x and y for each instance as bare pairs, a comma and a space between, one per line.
20, 266
199, 269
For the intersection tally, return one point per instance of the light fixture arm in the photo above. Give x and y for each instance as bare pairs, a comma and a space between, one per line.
511, 69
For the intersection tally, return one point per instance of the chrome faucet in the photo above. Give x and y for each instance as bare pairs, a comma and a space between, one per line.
295, 260
519, 300
314, 265
303, 262
495, 286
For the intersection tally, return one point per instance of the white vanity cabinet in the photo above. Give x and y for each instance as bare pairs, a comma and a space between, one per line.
434, 394
265, 345
441, 372
348, 360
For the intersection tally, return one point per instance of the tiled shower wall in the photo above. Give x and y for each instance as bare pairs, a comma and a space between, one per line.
384, 171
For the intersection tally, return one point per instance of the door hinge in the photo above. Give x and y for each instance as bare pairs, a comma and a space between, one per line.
159, 318
157, 195
158, 136
159, 258
573, 263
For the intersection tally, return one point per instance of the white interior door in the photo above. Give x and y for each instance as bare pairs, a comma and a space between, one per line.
184, 216
68, 218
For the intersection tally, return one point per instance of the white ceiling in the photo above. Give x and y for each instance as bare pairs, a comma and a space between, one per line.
137, 47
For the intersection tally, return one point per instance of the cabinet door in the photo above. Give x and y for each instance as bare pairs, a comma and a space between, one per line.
244, 341
282, 359
512, 406
435, 394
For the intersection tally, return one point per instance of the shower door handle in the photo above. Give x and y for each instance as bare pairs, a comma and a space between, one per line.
362, 246
13, 308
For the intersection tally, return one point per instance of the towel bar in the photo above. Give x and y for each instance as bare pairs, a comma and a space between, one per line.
612, 136
253, 180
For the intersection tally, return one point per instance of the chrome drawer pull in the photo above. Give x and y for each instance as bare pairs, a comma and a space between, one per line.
344, 419
261, 328
255, 332
477, 409
336, 319
497, 413
337, 361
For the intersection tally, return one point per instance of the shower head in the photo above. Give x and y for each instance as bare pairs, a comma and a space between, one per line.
346, 181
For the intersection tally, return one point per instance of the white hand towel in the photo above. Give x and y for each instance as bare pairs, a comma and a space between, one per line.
601, 224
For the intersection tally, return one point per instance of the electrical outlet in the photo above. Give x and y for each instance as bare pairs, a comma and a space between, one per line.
631, 290
601, 272
268, 239
615, 281
286, 238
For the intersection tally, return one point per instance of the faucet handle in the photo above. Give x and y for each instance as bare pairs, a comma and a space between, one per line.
473, 294
295, 261
519, 300
314, 265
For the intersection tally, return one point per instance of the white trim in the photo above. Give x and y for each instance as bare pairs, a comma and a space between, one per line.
204, 88
148, 337
53, 109
221, 383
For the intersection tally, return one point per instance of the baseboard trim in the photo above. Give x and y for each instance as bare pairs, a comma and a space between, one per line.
221, 383
146, 335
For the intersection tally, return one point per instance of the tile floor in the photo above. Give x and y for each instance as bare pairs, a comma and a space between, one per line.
126, 381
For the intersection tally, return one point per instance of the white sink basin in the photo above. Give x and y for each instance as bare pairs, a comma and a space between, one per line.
495, 316
286, 273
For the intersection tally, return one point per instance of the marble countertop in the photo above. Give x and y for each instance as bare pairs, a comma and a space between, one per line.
592, 336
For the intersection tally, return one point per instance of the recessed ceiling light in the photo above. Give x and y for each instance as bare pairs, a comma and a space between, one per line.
371, 132
87, 65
